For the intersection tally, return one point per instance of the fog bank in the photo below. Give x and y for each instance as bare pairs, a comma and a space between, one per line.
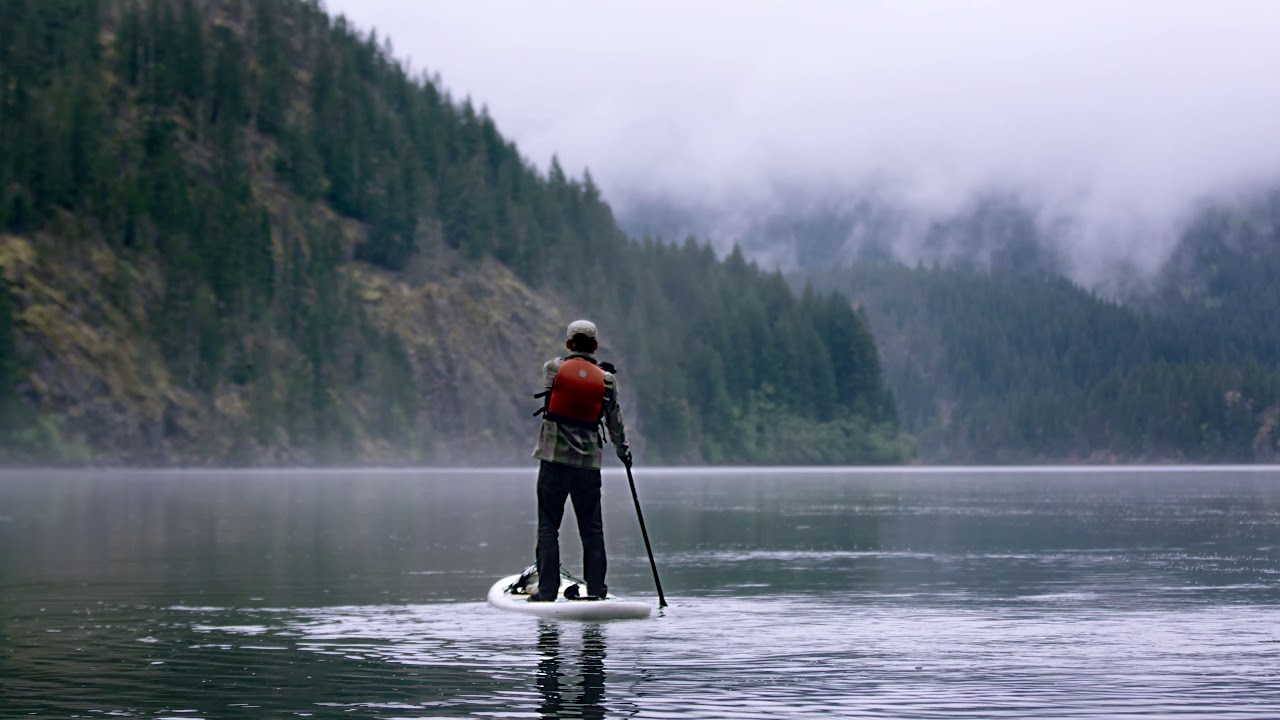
1112, 119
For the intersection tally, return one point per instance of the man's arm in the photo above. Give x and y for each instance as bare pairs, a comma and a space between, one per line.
613, 422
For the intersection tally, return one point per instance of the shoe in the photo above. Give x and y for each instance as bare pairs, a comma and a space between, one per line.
539, 597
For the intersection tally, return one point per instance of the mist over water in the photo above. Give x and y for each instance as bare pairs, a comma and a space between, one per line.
959, 593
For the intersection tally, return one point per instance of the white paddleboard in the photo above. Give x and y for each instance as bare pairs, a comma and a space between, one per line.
504, 597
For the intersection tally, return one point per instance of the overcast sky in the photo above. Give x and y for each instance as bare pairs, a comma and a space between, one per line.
1123, 112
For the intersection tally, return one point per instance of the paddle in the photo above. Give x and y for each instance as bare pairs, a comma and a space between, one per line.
662, 601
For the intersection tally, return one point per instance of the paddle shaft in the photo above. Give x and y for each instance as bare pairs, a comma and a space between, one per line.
662, 601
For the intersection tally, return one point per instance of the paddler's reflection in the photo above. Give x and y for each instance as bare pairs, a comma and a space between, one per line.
592, 671
556, 670
548, 681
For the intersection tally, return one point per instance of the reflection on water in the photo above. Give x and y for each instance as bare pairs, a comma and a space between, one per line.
563, 696
811, 595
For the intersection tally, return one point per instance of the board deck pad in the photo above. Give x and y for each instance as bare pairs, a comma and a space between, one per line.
504, 595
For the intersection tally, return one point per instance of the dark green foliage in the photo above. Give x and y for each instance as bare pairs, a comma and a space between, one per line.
1012, 367
158, 124
1223, 273
10, 408
729, 358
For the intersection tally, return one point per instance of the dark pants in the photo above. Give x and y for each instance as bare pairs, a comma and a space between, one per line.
557, 482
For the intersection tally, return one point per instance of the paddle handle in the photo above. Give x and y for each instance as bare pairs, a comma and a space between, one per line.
662, 600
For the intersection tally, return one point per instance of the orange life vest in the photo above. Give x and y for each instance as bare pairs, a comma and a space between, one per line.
577, 394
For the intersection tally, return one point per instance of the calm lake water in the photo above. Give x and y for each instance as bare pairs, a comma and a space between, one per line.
836, 593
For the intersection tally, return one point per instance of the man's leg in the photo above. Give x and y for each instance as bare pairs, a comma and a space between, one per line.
585, 490
553, 488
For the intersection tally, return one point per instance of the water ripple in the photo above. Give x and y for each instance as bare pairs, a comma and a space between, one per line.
865, 596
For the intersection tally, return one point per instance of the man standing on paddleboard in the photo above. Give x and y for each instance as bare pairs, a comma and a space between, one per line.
581, 395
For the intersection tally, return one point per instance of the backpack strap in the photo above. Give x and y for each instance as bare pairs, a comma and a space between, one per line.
544, 394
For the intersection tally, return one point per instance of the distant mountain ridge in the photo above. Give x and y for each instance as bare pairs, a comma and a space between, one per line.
804, 230
994, 355
1224, 269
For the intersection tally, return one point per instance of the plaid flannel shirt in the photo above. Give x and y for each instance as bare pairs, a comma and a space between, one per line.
580, 446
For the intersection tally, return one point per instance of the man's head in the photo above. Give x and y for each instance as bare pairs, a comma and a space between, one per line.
581, 336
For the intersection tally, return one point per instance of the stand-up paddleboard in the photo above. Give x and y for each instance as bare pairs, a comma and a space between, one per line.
512, 593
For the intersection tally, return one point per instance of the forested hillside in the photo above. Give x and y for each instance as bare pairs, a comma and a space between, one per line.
1223, 272
242, 233
1002, 366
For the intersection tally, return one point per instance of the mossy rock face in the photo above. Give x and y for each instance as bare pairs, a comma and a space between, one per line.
90, 368
477, 343
474, 342
17, 255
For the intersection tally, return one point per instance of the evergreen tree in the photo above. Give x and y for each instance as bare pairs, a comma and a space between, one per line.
9, 365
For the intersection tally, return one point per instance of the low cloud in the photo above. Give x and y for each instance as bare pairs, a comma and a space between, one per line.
1117, 115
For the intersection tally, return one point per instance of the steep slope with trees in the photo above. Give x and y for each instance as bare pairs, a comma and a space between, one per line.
242, 233
1223, 271
1002, 366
